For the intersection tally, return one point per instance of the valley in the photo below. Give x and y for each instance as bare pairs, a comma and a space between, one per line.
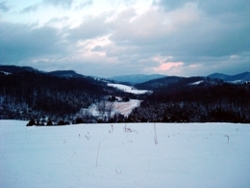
66, 97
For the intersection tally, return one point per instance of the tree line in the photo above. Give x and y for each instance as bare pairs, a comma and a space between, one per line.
205, 102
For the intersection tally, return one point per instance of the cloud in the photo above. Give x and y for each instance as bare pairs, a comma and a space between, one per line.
129, 2
215, 8
172, 37
186, 33
4, 7
58, 22
122, 2
31, 8
172, 4
84, 4
90, 28
167, 66
183, 32
136, 29
63, 3
20, 42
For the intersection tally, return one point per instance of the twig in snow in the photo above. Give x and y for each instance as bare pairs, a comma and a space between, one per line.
227, 139
129, 130
155, 137
72, 156
118, 172
112, 128
98, 153
87, 136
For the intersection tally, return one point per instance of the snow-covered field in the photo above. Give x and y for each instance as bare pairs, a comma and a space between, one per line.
125, 108
101, 155
128, 89
121, 107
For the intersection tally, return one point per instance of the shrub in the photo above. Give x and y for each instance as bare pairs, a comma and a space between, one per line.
49, 123
31, 122
79, 120
61, 122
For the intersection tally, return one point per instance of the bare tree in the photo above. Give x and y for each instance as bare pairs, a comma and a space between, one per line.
101, 107
110, 109
86, 116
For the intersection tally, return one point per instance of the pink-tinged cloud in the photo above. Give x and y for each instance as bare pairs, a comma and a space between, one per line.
167, 66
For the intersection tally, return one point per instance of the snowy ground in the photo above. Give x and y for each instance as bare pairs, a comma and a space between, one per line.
99, 155
120, 107
128, 89
125, 108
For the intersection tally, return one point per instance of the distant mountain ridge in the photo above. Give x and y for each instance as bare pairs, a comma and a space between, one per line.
131, 79
143, 78
136, 78
237, 78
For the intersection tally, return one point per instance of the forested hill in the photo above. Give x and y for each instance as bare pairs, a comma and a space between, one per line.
26, 93
195, 100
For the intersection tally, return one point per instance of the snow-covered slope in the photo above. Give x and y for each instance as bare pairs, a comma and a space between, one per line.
125, 108
128, 89
104, 155
120, 107
197, 83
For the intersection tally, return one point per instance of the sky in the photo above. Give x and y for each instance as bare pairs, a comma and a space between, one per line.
107, 38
